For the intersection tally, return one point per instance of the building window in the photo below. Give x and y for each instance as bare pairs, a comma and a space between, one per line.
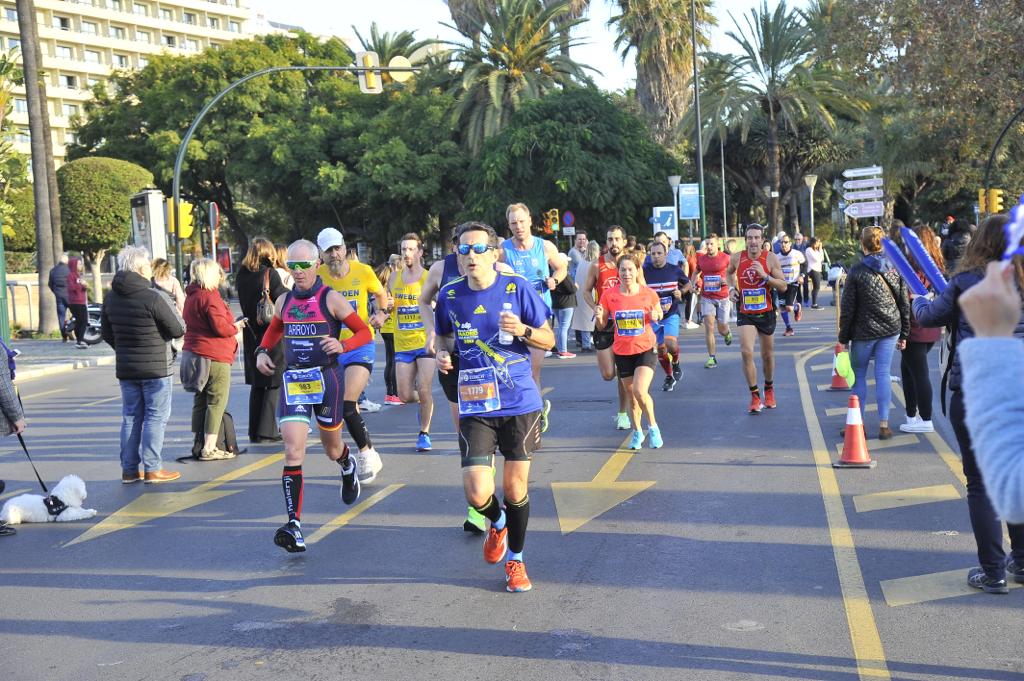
70, 110
167, 14
23, 136
143, 36
214, 46
70, 82
64, 52
62, 23
214, 22
139, 8
10, 14
169, 41
70, 138
115, 5
117, 32
234, 27
93, 82
14, 43
143, 62
21, 106
92, 56
191, 45
121, 61
90, 27
189, 18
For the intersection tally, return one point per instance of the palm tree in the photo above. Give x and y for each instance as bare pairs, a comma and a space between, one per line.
659, 32
777, 78
577, 8
515, 59
468, 16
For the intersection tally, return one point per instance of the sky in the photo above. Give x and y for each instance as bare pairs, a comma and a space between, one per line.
336, 17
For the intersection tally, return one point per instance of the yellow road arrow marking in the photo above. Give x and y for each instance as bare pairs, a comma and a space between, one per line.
150, 506
577, 503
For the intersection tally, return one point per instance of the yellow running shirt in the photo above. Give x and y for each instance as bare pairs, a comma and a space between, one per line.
409, 331
356, 286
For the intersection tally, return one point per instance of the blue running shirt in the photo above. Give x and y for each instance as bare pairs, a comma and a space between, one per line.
531, 264
472, 317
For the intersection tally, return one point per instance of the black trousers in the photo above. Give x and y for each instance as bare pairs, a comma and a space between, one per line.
263, 412
390, 380
815, 281
81, 314
987, 527
917, 383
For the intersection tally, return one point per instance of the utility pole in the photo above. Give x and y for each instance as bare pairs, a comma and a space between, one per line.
696, 111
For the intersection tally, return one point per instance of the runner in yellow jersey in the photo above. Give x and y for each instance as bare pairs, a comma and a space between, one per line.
414, 366
355, 281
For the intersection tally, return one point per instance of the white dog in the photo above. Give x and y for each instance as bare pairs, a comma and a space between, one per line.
64, 505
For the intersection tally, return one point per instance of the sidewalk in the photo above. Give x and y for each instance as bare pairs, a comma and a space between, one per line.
48, 357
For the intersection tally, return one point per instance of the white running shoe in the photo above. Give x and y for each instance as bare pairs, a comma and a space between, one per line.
912, 422
369, 464
369, 406
917, 425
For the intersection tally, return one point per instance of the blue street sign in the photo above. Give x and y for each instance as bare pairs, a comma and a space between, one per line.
664, 219
689, 202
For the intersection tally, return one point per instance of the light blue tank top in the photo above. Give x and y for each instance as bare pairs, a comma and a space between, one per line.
532, 264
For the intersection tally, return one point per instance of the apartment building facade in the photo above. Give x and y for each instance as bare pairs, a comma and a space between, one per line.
84, 41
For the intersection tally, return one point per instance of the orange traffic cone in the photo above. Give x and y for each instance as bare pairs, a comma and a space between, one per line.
855, 447
838, 382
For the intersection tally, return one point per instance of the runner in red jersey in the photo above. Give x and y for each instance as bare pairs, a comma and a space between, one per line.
715, 305
604, 275
751, 275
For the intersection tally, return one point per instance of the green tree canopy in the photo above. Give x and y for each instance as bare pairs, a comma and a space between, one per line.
576, 150
20, 220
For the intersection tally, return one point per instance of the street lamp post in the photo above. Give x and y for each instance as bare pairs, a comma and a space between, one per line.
810, 181
696, 111
673, 181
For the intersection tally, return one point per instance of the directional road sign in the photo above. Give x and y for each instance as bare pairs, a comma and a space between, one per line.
868, 209
863, 172
864, 184
863, 195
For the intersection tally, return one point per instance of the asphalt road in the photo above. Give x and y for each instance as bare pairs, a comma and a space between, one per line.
736, 552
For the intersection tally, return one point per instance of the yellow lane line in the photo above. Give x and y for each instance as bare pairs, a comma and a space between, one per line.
900, 498
45, 392
349, 515
615, 464
930, 587
104, 400
239, 472
898, 441
867, 644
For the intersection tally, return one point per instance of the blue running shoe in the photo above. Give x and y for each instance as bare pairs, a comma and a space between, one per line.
289, 537
654, 438
423, 443
637, 441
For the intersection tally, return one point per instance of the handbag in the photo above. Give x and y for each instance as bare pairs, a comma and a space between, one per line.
265, 306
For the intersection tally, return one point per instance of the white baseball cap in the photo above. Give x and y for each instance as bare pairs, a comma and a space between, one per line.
329, 237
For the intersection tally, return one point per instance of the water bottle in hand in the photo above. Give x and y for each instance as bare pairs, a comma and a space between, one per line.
505, 337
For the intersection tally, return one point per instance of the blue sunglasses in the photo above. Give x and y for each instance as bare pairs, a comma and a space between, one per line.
479, 249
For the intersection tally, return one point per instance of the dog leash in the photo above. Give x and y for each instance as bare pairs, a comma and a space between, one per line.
24, 448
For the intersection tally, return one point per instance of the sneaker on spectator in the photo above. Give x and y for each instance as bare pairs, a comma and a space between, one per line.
369, 406
566, 355
392, 401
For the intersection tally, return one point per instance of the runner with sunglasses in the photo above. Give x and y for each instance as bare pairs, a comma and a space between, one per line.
414, 366
537, 261
356, 282
309, 319
492, 321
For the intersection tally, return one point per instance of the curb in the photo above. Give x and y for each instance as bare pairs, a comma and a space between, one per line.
63, 367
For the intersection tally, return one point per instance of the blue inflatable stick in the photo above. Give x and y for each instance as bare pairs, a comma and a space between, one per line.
931, 271
904, 267
1014, 230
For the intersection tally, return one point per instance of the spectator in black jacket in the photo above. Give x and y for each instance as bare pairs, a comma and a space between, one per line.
58, 283
875, 316
139, 321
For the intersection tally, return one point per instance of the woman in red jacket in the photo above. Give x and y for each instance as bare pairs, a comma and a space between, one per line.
212, 334
78, 301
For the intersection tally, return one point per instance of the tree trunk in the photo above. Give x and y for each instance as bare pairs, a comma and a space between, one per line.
42, 148
774, 216
93, 262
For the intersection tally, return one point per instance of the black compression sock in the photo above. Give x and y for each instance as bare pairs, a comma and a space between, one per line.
356, 426
768, 384
754, 390
291, 483
491, 510
518, 514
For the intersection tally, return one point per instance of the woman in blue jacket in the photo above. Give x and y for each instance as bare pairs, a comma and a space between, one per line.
986, 246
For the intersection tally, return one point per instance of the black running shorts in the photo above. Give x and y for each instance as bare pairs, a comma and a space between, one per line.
450, 381
626, 365
516, 437
764, 322
791, 293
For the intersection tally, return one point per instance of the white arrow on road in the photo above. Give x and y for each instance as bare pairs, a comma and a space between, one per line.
862, 195
863, 172
868, 209
864, 184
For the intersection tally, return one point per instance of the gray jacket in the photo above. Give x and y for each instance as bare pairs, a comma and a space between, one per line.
10, 405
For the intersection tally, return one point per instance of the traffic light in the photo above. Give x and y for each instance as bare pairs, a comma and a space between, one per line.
369, 80
995, 201
185, 213
552, 216
982, 202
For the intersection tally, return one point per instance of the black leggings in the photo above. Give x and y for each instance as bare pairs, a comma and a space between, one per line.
81, 314
917, 384
815, 286
390, 382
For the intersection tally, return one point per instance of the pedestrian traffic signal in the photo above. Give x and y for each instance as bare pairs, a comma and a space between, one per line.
552, 217
369, 79
995, 201
982, 202
184, 214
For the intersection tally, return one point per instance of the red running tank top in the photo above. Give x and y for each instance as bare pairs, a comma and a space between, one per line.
607, 276
755, 298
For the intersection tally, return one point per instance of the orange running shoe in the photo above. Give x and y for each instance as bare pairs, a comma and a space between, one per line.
495, 545
755, 404
516, 580
769, 398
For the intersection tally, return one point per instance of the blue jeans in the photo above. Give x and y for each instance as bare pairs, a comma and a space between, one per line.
861, 352
62, 314
146, 406
563, 317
